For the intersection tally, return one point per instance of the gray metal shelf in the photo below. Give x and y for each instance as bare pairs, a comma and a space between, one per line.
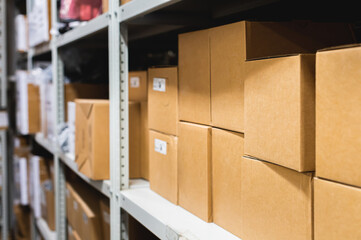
69, 160
166, 220
85, 29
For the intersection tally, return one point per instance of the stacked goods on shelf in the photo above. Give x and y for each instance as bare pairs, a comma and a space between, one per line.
83, 211
226, 101
92, 147
163, 131
279, 146
42, 189
21, 164
39, 22
28, 104
212, 64
74, 91
337, 192
47, 192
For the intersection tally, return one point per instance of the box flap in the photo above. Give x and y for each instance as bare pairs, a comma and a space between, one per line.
340, 47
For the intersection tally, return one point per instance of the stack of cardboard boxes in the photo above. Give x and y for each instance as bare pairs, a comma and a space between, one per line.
246, 130
337, 195
232, 129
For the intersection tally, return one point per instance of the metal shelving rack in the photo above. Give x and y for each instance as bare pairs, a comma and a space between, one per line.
3, 134
164, 219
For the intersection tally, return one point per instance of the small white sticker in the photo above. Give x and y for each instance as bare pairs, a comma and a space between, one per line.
75, 205
134, 82
106, 217
159, 84
85, 218
160, 146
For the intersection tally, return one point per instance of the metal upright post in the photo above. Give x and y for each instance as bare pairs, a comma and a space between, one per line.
58, 107
3, 55
3, 105
119, 150
4, 194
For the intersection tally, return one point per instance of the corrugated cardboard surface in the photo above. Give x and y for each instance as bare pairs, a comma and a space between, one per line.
69, 204
73, 91
217, 56
276, 202
337, 211
338, 114
227, 151
134, 140
105, 217
163, 177
22, 216
92, 138
163, 106
138, 92
280, 111
194, 169
194, 77
88, 217
228, 50
271, 39
34, 108
144, 141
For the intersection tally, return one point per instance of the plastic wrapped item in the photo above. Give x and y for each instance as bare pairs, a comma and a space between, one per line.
83, 10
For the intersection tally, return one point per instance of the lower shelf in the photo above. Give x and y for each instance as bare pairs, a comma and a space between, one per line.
44, 230
166, 220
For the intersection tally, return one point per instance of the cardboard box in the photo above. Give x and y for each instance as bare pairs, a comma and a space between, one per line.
338, 113
227, 151
22, 216
70, 233
212, 63
105, 6
48, 203
280, 111
124, 1
69, 204
138, 86
92, 138
276, 202
88, 214
74, 91
28, 105
194, 169
337, 211
163, 99
163, 165
144, 141
76, 235
134, 140
194, 77
105, 217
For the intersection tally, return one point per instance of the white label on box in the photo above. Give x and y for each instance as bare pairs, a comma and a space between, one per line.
85, 218
106, 217
75, 205
134, 82
159, 84
160, 146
